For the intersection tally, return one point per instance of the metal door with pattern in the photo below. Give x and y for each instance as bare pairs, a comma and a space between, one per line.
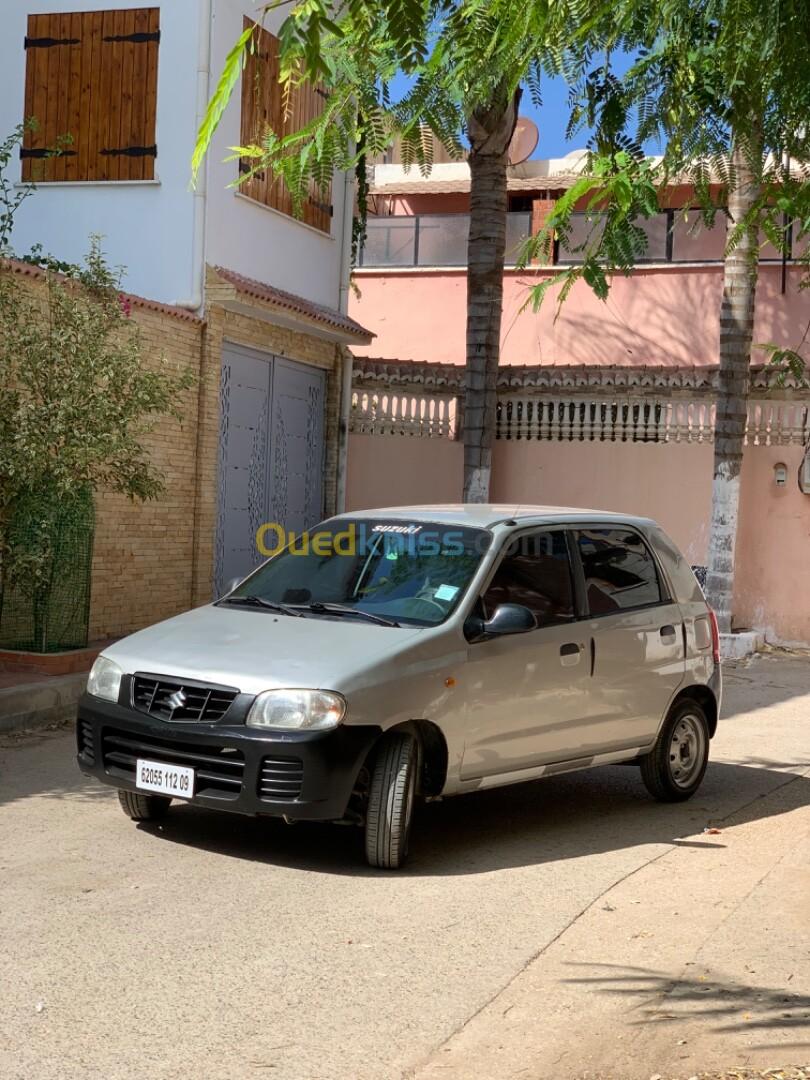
271, 448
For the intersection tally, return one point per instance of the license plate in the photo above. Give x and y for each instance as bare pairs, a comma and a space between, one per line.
174, 780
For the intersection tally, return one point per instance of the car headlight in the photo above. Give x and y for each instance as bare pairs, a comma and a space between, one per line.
297, 710
104, 680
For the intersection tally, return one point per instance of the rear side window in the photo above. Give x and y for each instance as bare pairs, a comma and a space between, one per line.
681, 576
620, 572
535, 571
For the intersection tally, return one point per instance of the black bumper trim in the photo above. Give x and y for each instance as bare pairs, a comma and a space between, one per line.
330, 760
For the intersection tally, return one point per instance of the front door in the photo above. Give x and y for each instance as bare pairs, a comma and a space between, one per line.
527, 693
271, 452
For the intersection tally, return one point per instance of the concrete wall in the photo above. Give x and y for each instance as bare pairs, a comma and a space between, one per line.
669, 482
665, 314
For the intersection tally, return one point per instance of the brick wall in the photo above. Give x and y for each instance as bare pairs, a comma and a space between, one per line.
143, 552
153, 560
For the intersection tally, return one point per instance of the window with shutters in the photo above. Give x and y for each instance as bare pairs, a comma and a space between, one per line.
262, 108
91, 86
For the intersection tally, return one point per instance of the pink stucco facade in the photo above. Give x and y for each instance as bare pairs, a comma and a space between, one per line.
656, 315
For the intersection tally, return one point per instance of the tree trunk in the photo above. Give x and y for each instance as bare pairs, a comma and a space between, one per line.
736, 331
490, 131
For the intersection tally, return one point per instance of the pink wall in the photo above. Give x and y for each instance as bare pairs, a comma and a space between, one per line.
657, 315
671, 483
408, 205
394, 470
773, 547
668, 482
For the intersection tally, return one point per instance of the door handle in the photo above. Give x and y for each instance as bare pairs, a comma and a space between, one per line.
570, 654
667, 631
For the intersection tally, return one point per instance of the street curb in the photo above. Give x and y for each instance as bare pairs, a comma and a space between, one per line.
41, 703
739, 645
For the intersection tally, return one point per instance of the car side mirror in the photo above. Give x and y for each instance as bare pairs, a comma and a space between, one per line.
506, 619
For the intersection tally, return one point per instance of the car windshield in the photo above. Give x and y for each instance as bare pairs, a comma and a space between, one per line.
401, 572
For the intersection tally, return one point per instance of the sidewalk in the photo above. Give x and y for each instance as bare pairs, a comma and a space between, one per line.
695, 964
29, 700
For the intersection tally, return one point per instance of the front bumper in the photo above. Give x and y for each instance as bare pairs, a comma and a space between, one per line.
307, 775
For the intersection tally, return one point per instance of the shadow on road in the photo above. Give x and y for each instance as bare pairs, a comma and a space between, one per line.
723, 1007
556, 819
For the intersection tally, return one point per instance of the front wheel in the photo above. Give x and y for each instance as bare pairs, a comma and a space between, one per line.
143, 807
391, 795
674, 768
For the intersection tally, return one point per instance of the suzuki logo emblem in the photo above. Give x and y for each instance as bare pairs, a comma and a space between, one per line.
176, 700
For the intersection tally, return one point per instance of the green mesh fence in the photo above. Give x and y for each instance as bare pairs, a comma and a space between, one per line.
45, 587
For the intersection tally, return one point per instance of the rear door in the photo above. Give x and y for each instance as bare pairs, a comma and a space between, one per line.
635, 631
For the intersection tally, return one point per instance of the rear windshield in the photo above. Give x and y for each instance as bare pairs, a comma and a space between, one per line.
412, 572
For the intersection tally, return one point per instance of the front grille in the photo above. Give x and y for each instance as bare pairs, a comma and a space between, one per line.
84, 737
218, 770
281, 778
198, 701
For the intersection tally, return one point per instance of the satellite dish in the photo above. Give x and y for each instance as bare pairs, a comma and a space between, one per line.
523, 141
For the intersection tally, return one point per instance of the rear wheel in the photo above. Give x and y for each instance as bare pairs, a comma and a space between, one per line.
391, 796
143, 807
674, 768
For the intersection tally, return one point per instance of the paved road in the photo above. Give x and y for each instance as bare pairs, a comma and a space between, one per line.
219, 947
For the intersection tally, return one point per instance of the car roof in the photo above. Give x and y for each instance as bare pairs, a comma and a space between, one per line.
488, 515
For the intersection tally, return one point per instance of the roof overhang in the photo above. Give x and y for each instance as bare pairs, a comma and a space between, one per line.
259, 300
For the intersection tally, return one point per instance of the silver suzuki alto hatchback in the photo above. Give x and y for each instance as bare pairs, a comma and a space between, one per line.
415, 652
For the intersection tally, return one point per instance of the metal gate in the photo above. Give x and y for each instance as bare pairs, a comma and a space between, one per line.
271, 452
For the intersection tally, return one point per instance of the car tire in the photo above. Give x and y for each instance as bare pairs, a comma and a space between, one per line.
391, 797
674, 768
143, 807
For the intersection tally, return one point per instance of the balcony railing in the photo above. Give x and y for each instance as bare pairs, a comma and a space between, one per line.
432, 239
441, 240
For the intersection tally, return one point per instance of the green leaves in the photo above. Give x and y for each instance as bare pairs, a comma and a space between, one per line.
788, 362
11, 195
77, 397
231, 71
618, 194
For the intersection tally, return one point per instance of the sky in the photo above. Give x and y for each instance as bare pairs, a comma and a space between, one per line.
552, 117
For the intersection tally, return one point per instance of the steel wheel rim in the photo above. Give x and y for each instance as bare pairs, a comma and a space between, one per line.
687, 750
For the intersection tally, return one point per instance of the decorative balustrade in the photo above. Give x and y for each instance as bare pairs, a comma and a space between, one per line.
579, 418
645, 420
397, 413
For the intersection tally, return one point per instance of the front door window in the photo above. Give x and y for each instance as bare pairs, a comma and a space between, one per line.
534, 572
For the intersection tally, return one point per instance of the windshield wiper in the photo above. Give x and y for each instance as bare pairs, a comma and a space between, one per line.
259, 601
343, 609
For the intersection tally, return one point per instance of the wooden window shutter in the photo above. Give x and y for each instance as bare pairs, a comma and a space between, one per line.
263, 108
91, 86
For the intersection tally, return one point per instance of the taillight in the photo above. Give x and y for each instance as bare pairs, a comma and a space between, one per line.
715, 636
